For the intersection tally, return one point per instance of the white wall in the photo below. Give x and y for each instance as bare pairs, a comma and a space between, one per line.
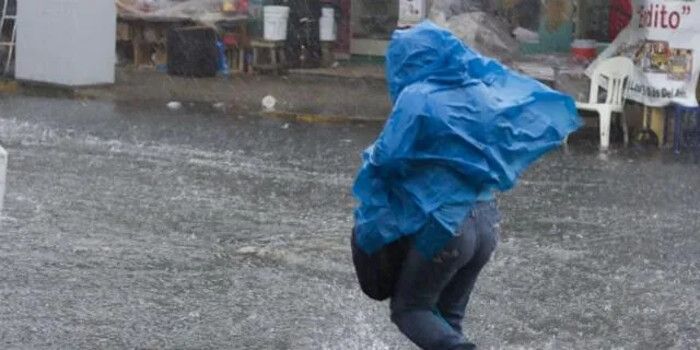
66, 42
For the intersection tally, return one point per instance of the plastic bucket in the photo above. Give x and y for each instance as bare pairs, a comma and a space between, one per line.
327, 12
584, 50
328, 31
275, 26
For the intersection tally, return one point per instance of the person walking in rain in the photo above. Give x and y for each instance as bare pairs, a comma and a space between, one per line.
427, 223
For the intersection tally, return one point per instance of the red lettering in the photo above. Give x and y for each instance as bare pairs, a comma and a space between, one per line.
658, 16
646, 18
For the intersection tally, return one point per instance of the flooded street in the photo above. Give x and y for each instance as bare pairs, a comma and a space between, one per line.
132, 226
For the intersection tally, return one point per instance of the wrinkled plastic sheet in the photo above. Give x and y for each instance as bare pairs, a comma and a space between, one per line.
206, 12
449, 8
461, 124
475, 23
558, 70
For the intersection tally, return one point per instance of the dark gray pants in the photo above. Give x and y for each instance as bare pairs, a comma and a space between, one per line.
431, 295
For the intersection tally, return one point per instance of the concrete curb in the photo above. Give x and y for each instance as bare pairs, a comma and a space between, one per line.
9, 87
311, 74
88, 94
318, 118
297, 106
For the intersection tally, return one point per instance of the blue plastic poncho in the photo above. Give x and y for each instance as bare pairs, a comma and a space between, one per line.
461, 123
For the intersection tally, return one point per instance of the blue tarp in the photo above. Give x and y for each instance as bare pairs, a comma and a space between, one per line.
461, 124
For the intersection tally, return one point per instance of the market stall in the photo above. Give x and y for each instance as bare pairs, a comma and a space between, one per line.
662, 41
143, 26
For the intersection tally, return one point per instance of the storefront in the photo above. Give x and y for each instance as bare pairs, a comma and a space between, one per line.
365, 26
371, 25
559, 22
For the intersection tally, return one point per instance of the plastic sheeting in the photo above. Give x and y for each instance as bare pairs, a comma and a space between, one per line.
474, 22
487, 34
205, 12
169, 8
461, 124
449, 8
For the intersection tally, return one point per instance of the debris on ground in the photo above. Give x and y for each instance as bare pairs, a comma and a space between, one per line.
269, 102
174, 105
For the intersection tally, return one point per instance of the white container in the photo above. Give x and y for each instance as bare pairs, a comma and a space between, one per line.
3, 174
276, 19
69, 43
327, 12
329, 31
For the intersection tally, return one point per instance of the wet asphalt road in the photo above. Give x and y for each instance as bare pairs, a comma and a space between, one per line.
136, 227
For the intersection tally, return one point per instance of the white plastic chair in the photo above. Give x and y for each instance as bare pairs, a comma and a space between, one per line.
616, 71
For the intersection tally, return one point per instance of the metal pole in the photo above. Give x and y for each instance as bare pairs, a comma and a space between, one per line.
11, 50
3, 174
2, 14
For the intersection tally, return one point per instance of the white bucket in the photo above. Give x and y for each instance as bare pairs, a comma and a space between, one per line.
328, 30
3, 174
276, 18
327, 12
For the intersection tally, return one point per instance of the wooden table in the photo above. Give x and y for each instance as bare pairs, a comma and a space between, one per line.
276, 59
147, 36
235, 27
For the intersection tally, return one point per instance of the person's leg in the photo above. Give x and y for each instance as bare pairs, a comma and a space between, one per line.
455, 297
414, 305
